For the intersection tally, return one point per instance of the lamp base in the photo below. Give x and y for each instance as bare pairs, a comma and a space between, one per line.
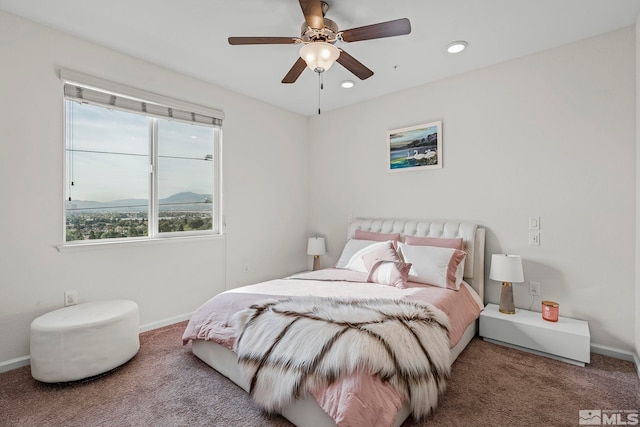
316, 262
507, 306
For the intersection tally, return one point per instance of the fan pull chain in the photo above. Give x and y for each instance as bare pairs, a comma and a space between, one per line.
320, 87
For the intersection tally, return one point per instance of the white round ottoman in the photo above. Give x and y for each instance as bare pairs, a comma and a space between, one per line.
84, 340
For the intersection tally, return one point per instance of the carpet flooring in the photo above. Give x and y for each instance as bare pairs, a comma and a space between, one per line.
164, 385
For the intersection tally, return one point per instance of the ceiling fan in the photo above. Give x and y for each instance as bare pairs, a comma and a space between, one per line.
318, 36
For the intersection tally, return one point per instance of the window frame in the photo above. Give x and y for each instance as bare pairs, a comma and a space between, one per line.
79, 79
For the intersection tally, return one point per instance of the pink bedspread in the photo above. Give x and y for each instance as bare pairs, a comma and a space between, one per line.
358, 399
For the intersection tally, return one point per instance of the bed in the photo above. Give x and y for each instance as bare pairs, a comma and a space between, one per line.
214, 329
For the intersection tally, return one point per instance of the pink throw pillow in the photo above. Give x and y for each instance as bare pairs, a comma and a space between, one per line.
383, 253
380, 237
434, 241
390, 273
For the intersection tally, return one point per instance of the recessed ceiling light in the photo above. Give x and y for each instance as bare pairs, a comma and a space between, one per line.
457, 47
347, 84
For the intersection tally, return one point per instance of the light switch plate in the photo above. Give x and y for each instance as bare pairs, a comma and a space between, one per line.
534, 223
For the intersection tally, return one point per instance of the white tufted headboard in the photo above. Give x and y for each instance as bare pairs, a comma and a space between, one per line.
472, 240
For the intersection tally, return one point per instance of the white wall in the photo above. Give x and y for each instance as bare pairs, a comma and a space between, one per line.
550, 134
263, 193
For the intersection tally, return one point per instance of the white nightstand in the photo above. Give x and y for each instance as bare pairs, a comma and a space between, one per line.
567, 339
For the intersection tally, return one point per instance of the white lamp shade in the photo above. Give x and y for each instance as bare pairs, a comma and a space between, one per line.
506, 268
316, 246
319, 56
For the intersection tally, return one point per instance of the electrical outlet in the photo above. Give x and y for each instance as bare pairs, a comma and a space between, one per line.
534, 288
70, 298
534, 238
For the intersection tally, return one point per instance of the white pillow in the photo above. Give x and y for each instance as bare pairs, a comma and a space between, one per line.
351, 257
432, 265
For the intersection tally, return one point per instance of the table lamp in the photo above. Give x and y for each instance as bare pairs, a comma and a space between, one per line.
506, 269
316, 247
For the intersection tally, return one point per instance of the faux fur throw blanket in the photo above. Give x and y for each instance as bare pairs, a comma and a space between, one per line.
290, 347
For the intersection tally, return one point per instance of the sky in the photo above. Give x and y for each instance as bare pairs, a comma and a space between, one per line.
400, 138
116, 166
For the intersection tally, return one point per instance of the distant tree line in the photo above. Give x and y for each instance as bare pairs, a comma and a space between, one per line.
93, 226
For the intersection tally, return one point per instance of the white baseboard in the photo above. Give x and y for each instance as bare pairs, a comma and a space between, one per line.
16, 363
19, 362
165, 322
617, 354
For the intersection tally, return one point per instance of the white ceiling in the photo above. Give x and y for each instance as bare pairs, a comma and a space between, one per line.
190, 36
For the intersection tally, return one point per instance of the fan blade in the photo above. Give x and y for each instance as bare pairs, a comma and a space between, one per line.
353, 65
398, 27
262, 40
295, 71
312, 10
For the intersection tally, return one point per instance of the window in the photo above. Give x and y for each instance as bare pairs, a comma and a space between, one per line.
138, 167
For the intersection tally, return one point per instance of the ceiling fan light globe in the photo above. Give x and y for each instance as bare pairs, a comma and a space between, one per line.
319, 56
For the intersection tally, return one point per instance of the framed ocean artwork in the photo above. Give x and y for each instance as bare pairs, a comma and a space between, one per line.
415, 148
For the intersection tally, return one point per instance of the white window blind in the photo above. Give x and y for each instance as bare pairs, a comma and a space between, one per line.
84, 88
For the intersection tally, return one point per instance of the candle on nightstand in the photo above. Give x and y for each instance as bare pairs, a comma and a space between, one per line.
550, 310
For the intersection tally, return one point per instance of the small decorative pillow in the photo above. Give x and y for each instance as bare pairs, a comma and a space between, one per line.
434, 241
381, 253
380, 237
390, 273
363, 259
435, 266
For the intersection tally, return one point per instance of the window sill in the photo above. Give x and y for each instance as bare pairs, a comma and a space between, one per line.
69, 247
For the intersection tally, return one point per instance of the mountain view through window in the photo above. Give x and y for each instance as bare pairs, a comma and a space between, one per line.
132, 176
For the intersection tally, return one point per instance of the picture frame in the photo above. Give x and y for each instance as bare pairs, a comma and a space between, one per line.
415, 148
